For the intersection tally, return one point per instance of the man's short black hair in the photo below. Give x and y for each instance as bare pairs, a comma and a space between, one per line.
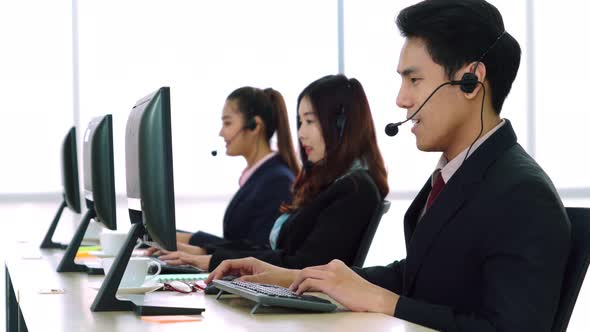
457, 32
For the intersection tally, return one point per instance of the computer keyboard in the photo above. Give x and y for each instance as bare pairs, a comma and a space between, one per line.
271, 295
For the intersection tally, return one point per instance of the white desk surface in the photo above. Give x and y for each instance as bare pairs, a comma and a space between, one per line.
71, 311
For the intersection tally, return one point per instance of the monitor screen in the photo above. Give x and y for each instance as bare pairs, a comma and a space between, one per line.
69, 171
99, 170
149, 171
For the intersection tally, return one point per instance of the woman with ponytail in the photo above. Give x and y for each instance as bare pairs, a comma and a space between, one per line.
336, 194
250, 118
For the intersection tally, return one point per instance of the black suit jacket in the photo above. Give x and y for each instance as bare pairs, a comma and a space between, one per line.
489, 254
329, 227
254, 208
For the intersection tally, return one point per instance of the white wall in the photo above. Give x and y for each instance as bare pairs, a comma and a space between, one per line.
561, 79
35, 92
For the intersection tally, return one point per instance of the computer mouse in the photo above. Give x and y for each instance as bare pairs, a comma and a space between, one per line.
181, 286
212, 290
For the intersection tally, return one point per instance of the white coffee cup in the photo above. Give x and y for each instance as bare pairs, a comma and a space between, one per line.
93, 231
111, 242
136, 271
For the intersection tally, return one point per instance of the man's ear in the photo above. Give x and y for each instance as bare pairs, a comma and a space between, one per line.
479, 70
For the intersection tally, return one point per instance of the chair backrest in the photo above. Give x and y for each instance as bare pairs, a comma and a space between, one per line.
367, 238
576, 266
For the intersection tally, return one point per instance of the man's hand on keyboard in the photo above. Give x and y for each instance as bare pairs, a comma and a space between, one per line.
254, 270
346, 287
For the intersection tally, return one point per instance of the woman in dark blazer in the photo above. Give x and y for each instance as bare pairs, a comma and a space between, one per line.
335, 196
250, 118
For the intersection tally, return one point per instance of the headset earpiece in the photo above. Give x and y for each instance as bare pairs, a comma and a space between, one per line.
341, 122
250, 124
468, 82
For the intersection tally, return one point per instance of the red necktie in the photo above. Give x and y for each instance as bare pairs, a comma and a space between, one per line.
437, 187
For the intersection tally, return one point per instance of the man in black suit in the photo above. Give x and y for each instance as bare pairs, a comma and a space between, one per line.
487, 237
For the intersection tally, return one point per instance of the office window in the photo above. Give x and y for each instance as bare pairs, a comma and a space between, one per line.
36, 85
372, 49
203, 51
562, 113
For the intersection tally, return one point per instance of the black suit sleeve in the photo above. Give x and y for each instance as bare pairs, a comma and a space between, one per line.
266, 210
335, 233
201, 239
524, 256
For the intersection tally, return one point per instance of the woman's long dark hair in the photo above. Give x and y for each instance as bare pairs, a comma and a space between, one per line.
345, 118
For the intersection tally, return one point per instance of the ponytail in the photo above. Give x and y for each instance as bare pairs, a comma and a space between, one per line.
281, 121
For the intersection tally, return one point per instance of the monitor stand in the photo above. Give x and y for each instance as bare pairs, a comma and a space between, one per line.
106, 299
47, 242
99, 271
67, 263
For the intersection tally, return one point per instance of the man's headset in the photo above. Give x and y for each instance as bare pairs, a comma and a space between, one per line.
467, 84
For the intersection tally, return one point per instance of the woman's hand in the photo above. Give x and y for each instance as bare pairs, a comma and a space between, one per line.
151, 251
254, 270
187, 248
194, 250
346, 287
183, 258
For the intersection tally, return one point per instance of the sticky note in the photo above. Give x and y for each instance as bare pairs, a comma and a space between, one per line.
51, 291
89, 248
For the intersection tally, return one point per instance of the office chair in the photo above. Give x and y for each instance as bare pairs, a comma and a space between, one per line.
576, 266
367, 238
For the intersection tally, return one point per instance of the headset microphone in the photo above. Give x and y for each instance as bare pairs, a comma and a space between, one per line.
214, 152
392, 129
250, 125
467, 84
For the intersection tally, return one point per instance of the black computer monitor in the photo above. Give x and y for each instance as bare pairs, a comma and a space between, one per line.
150, 194
99, 170
71, 187
99, 187
148, 169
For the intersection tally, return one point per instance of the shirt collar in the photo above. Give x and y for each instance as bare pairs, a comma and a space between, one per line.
448, 168
247, 173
